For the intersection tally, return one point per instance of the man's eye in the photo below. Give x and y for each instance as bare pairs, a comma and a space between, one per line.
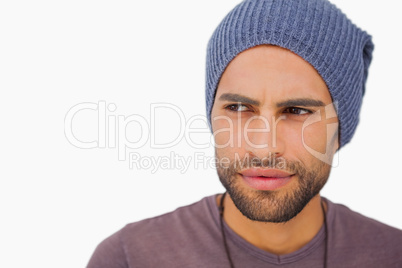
237, 107
298, 111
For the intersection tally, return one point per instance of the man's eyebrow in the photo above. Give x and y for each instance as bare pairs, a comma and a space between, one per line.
239, 98
305, 102
301, 102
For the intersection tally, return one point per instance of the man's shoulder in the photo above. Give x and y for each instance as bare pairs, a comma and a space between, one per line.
351, 220
365, 235
183, 217
173, 235
162, 234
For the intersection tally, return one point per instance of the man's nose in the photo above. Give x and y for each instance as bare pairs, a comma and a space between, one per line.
262, 135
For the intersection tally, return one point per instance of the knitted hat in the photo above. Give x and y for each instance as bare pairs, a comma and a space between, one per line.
316, 30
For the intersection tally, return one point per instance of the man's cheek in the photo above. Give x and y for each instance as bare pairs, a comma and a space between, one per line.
223, 134
314, 137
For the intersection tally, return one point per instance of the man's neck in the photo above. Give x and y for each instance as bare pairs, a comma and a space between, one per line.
276, 238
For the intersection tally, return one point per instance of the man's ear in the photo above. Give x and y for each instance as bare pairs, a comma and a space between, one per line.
337, 142
212, 116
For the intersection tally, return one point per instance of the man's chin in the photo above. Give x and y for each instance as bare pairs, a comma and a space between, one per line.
267, 206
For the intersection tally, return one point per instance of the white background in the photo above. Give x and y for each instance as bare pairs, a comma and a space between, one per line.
59, 201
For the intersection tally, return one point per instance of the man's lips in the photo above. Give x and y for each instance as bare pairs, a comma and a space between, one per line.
270, 173
265, 179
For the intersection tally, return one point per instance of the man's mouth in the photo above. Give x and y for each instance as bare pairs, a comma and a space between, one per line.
265, 179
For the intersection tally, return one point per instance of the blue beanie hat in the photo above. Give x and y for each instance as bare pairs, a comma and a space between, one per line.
316, 30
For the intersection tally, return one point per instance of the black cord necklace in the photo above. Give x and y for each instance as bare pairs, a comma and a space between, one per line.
221, 207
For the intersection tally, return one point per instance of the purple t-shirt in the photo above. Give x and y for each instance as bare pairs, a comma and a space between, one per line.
191, 236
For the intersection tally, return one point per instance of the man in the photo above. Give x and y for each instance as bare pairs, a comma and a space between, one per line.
285, 81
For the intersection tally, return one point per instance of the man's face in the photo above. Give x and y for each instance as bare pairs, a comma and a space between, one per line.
270, 114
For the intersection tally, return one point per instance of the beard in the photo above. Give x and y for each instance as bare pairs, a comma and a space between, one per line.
273, 206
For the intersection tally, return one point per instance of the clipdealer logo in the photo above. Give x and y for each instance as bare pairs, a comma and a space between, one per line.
112, 130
